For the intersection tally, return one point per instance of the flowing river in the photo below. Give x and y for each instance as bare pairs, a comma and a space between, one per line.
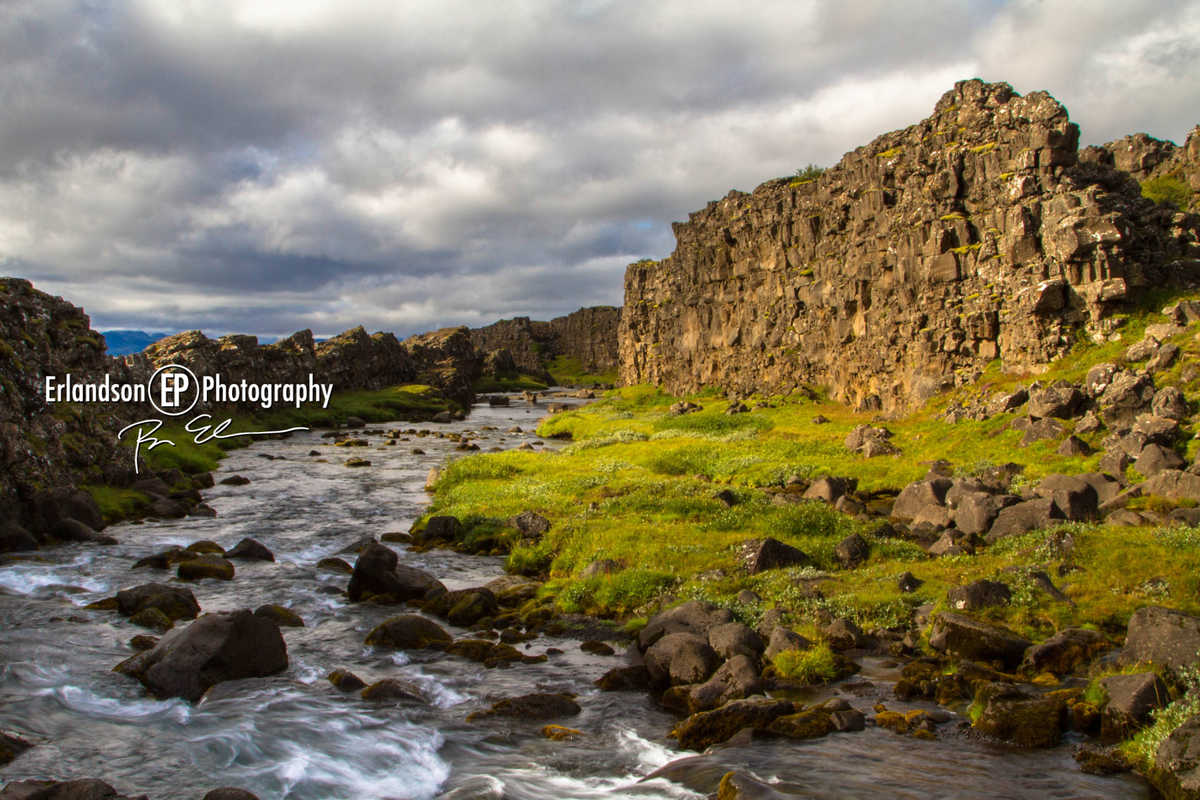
296, 736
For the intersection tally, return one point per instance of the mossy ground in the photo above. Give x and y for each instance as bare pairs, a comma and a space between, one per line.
638, 486
568, 371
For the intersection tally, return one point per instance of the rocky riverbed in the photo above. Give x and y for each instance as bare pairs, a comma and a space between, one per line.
294, 734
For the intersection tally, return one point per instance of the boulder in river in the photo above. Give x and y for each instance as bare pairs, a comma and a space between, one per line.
378, 571
82, 789
346, 680
251, 550
281, 616
229, 793
625, 679
538, 707
707, 728
409, 632
392, 690
228, 646
1023, 719
11, 747
176, 602
208, 566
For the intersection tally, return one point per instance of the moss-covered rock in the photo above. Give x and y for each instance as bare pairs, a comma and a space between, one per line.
283, 617
705, 729
392, 690
207, 566
558, 733
540, 706
1023, 719
153, 619
346, 680
408, 632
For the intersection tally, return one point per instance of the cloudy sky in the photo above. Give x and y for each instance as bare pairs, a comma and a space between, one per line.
269, 165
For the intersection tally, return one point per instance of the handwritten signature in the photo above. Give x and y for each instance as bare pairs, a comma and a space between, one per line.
146, 429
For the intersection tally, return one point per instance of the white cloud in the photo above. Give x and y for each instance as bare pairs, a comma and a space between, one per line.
265, 166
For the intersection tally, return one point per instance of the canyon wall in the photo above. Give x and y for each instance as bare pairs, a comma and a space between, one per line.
589, 335
976, 234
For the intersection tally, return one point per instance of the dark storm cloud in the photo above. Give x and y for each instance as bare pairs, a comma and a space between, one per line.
265, 166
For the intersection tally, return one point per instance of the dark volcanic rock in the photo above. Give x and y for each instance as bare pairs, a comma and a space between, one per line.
536, 707
175, 602
187, 662
1162, 636
760, 555
251, 550
408, 632
979, 641
378, 571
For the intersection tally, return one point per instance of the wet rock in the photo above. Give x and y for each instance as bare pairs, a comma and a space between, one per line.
1064, 652
852, 551
695, 616
739, 786
557, 733
72, 530
1094, 762
979, 641
221, 647
153, 619
143, 642
1131, 698
707, 728
210, 566
625, 679
736, 679
175, 602
978, 595
11, 747
1163, 636
378, 571
392, 690
15, 539
760, 555
251, 550
680, 658
408, 632
1020, 718
1176, 769
83, 789
335, 565
346, 681
281, 616
205, 547
235, 480
537, 707
597, 648
734, 638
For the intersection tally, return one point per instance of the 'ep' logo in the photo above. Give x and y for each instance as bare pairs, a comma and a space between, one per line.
170, 387
173, 384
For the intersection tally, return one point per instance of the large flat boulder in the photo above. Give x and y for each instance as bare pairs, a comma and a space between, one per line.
187, 662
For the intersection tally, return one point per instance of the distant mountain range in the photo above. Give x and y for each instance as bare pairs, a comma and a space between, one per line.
125, 343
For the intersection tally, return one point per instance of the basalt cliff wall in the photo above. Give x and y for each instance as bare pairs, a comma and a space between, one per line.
979, 233
588, 335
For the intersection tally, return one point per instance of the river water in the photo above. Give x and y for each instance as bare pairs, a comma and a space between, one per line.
296, 736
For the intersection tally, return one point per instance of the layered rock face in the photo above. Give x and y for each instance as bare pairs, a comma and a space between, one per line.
588, 335
351, 360
46, 449
974, 235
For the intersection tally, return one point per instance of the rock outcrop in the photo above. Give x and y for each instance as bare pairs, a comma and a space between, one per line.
588, 335
978, 233
48, 450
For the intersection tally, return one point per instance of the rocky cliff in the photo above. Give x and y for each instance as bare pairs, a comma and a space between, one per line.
352, 360
978, 233
47, 451
588, 335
